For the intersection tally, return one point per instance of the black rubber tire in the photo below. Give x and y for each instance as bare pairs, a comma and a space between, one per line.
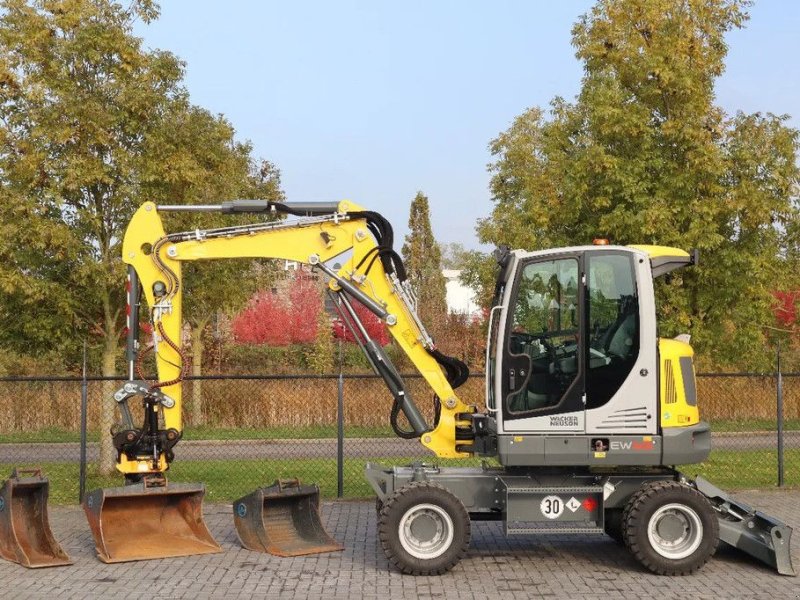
398, 504
612, 522
642, 506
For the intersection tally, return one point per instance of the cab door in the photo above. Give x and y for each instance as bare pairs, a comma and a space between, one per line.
542, 371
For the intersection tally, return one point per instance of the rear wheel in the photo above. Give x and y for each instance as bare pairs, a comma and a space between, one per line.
670, 528
424, 529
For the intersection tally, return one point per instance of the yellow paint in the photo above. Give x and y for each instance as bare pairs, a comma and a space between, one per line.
295, 242
518, 438
675, 412
599, 454
141, 466
660, 251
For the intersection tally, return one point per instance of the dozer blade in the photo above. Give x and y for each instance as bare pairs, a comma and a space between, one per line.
25, 535
283, 519
140, 522
751, 531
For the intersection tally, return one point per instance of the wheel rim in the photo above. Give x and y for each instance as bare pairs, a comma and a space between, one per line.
426, 531
675, 531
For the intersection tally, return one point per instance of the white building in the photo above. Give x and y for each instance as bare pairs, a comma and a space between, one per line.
460, 298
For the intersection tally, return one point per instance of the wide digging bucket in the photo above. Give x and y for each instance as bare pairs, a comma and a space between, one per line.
25, 535
283, 519
137, 522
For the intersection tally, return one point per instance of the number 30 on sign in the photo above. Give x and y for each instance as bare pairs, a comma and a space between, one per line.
552, 507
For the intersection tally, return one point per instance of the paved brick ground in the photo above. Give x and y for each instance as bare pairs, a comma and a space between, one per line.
523, 567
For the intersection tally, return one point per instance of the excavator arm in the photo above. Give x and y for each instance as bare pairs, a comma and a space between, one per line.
344, 241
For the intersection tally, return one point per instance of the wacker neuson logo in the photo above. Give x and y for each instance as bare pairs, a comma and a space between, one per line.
564, 421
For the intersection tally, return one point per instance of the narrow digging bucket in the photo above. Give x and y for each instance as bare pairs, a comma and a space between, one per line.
137, 522
25, 535
283, 519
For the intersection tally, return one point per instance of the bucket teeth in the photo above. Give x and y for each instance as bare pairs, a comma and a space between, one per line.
283, 519
25, 535
137, 522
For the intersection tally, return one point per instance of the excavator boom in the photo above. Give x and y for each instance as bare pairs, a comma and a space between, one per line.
349, 245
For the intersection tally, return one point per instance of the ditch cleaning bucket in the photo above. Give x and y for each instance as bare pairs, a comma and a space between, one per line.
25, 535
283, 519
141, 522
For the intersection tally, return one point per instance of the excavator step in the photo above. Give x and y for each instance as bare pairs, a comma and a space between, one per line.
25, 535
552, 510
283, 519
141, 522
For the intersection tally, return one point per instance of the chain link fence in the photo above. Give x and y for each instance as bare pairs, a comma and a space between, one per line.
243, 432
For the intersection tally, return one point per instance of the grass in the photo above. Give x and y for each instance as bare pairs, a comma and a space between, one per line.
54, 434
747, 469
727, 425
311, 432
227, 480
47, 435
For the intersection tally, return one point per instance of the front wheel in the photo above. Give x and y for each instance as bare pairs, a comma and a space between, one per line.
670, 528
424, 529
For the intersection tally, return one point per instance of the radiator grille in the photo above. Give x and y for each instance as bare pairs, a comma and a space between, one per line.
670, 395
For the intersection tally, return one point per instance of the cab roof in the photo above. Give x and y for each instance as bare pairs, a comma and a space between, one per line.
663, 259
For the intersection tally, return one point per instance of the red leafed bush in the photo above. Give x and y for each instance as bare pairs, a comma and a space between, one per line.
281, 319
305, 299
374, 326
786, 307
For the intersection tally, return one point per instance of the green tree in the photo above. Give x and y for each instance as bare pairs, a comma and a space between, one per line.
91, 126
643, 155
208, 165
79, 99
423, 261
35, 264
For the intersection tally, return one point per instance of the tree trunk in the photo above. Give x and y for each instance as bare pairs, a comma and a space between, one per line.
108, 405
197, 370
107, 408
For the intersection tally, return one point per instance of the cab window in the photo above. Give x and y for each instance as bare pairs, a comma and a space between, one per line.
544, 327
613, 324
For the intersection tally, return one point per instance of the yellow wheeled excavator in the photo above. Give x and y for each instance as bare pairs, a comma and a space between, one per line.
586, 408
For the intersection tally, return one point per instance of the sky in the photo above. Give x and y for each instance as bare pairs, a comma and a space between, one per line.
374, 101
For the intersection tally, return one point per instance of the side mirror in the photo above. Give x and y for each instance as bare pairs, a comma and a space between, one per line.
502, 254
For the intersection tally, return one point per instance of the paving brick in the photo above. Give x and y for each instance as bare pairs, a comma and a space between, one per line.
572, 567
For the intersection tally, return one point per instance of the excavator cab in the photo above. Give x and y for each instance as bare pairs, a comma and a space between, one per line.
25, 535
